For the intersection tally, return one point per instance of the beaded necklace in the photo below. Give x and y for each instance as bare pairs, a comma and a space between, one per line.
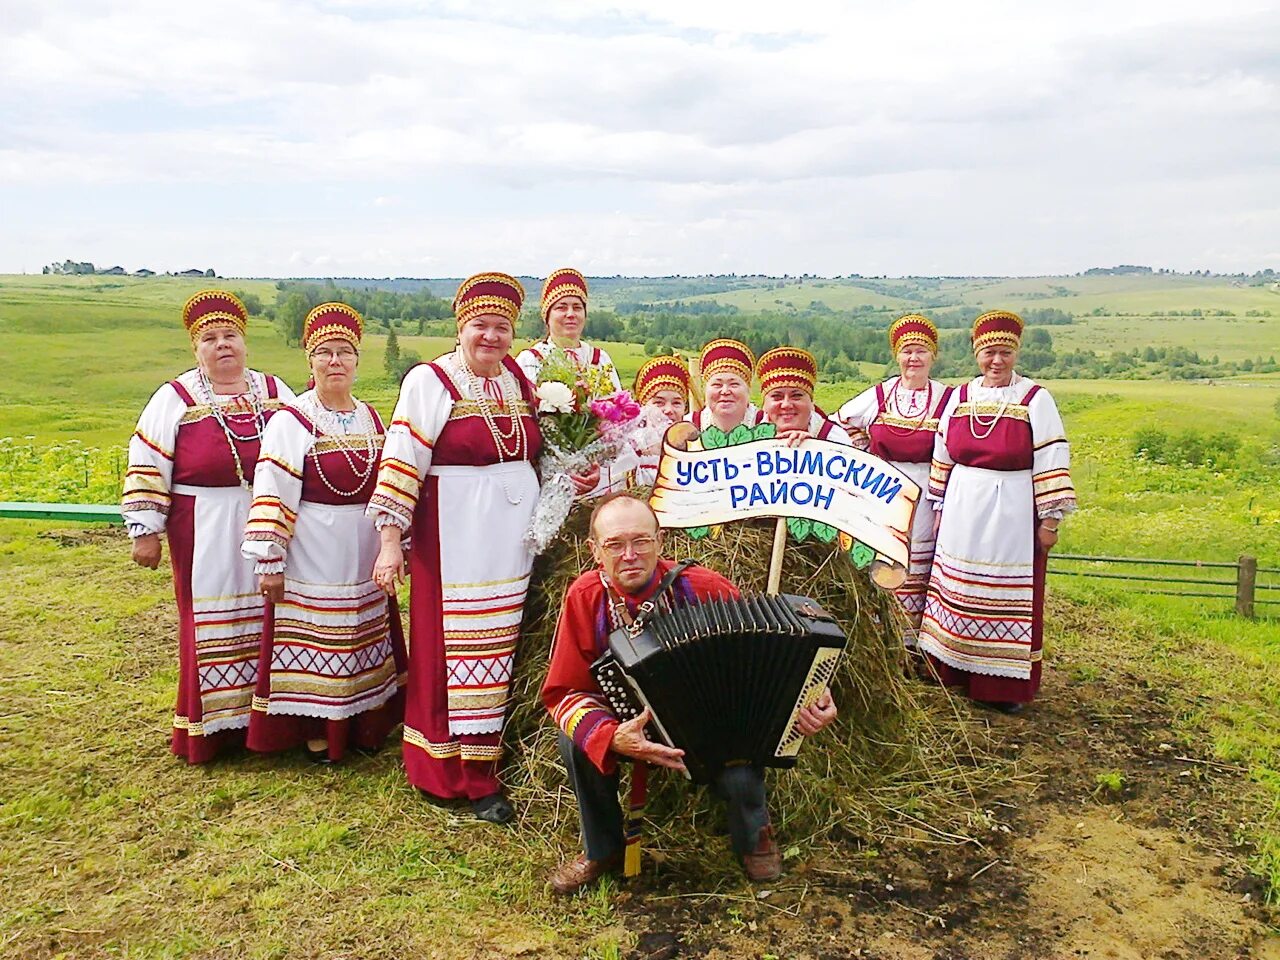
914, 423
256, 416
976, 421
500, 438
479, 392
339, 426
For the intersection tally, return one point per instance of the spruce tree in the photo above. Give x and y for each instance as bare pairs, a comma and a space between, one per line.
391, 359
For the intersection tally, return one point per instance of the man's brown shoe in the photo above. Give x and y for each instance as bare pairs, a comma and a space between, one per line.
572, 875
764, 862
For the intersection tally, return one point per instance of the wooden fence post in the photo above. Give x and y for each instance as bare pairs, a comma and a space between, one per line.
1246, 580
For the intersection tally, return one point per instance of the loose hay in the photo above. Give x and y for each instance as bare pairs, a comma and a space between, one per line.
899, 761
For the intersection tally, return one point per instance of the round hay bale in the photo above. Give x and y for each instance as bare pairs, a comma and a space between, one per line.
892, 763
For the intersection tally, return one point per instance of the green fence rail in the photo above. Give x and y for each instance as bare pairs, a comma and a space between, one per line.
75, 512
1242, 585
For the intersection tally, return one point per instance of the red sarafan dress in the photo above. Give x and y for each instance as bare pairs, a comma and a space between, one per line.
189, 478
899, 425
1001, 465
457, 472
332, 663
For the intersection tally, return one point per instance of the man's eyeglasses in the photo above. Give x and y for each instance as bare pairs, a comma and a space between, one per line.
616, 548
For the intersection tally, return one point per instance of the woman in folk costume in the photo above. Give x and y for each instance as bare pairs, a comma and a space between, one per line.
457, 473
564, 311
897, 421
662, 383
332, 662
191, 464
725, 367
1000, 483
788, 376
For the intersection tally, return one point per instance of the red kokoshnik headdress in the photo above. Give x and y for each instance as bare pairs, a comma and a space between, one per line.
210, 308
565, 282
662, 373
332, 321
726, 356
787, 367
498, 293
997, 328
913, 328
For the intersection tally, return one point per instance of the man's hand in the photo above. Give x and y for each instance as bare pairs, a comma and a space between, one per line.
629, 741
146, 550
813, 718
271, 586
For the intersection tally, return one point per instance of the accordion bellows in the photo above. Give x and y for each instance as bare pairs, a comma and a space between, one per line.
725, 679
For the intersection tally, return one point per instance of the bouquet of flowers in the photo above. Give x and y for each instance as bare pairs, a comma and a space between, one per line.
584, 423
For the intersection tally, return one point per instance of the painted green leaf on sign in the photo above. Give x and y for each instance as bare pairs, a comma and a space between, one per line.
764, 431
800, 528
824, 532
862, 555
697, 532
740, 434
713, 438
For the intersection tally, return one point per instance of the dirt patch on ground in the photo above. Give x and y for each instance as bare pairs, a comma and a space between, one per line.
1121, 845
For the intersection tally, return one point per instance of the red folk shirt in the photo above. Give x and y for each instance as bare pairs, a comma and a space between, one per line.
570, 692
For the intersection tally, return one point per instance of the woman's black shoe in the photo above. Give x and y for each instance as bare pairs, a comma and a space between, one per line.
1002, 706
493, 808
320, 756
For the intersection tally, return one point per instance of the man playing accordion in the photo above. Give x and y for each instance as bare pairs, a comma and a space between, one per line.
626, 543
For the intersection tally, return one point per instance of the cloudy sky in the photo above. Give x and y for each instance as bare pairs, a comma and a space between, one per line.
342, 137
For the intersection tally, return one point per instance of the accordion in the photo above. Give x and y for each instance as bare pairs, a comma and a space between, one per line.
725, 679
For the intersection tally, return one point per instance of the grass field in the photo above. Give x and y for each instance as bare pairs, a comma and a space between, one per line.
1131, 309
91, 350
788, 295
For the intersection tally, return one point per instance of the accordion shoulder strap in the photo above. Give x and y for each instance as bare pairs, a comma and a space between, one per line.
646, 609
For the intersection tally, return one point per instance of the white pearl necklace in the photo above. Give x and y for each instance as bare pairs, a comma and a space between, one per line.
894, 409
476, 383
256, 414
325, 422
976, 421
482, 400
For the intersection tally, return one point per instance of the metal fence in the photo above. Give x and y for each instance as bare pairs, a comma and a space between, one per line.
1241, 585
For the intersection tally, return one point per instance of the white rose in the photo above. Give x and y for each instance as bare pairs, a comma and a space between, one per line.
554, 397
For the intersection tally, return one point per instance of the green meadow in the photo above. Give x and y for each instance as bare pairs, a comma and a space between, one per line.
1112, 313
86, 352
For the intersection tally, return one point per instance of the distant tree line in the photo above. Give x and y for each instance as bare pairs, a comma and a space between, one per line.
421, 310
839, 341
85, 268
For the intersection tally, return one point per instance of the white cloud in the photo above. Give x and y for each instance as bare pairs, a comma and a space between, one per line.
677, 134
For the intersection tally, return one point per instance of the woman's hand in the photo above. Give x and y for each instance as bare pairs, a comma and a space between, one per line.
388, 569
794, 437
271, 586
1048, 536
937, 522
818, 715
586, 482
145, 550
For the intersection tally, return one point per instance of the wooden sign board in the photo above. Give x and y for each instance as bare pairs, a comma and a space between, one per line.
857, 493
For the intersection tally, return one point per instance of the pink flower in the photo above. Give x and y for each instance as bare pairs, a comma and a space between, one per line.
616, 408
